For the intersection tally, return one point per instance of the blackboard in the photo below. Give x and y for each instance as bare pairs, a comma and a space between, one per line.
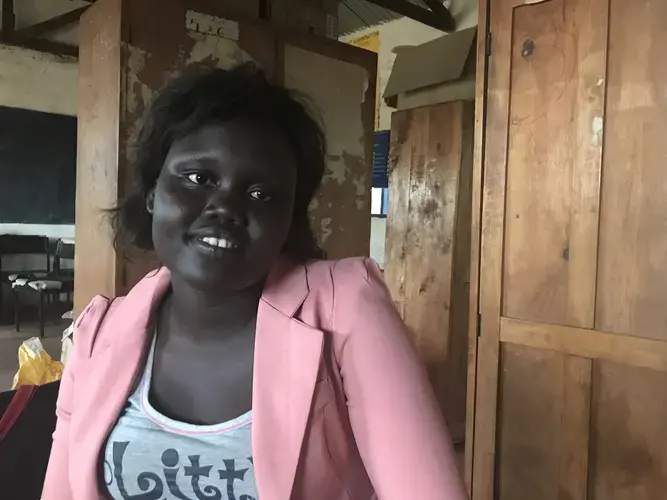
37, 167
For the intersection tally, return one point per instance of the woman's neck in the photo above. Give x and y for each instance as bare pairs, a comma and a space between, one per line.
202, 313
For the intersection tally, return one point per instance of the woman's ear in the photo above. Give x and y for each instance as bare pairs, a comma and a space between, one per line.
150, 201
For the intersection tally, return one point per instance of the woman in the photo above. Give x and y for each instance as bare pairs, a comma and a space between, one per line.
246, 367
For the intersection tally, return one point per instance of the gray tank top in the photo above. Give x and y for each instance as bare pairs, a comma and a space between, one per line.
151, 457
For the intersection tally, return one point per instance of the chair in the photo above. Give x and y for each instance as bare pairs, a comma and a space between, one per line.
25, 449
49, 287
14, 244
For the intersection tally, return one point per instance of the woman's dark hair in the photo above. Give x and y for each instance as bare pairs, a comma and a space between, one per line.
204, 96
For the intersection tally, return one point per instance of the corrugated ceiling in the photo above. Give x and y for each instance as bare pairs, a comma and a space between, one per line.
354, 15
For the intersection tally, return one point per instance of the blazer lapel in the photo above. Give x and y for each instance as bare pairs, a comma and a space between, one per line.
287, 360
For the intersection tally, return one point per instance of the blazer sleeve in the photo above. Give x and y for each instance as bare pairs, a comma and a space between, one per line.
397, 423
57, 480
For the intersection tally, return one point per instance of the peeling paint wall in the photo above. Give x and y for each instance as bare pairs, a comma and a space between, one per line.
41, 82
335, 212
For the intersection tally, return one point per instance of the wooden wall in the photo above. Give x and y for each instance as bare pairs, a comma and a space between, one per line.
428, 242
572, 357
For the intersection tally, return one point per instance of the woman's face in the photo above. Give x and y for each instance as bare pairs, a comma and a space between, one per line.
222, 206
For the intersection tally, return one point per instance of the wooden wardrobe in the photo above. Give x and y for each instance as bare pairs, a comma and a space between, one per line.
128, 48
568, 376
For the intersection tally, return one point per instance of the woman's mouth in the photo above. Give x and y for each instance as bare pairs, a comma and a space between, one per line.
215, 243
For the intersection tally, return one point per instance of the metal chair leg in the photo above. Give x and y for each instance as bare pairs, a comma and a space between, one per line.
41, 315
17, 311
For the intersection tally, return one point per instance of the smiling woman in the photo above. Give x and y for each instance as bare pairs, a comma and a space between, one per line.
246, 367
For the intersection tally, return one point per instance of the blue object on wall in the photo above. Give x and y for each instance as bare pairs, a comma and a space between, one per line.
380, 159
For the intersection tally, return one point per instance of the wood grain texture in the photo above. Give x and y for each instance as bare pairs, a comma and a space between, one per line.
481, 85
396, 238
632, 281
554, 160
633, 351
491, 251
421, 243
543, 425
529, 424
628, 434
98, 96
589, 311
459, 346
575, 428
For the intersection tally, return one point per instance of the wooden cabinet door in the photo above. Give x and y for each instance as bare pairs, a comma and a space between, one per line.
428, 242
571, 377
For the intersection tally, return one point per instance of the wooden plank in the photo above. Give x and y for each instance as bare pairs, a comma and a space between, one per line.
481, 84
529, 424
8, 21
417, 13
628, 433
632, 282
575, 428
430, 180
396, 239
98, 96
490, 282
553, 165
543, 425
460, 301
634, 351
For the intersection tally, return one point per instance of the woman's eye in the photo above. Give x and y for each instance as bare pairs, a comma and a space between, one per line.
198, 178
259, 195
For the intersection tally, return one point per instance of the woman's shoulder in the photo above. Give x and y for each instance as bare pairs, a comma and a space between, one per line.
348, 283
350, 271
88, 322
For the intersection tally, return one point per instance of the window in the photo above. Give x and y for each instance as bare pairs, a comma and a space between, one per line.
379, 198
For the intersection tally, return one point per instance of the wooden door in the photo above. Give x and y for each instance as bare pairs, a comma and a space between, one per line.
428, 242
571, 361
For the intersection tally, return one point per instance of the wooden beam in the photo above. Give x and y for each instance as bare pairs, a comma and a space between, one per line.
441, 11
586, 343
8, 20
58, 22
424, 16
49, 47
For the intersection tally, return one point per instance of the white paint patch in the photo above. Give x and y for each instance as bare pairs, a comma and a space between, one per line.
597, 126
206, 24
600, 82
226, 53
137, 91
325, 229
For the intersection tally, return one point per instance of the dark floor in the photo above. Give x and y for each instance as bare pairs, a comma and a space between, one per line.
10, 342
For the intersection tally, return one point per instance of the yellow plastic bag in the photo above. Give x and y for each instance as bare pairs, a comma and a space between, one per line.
36, 367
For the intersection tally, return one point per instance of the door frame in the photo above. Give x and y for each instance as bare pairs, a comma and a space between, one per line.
481, 91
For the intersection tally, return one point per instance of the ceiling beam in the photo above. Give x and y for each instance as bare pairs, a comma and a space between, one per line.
441, 11
55, 23
8, 21
442, 19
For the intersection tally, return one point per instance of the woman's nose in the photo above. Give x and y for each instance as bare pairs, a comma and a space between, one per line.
227, 207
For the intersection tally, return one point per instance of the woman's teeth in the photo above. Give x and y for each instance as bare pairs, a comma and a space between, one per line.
219, 242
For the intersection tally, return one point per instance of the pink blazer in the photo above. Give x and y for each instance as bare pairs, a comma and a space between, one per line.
342, 408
